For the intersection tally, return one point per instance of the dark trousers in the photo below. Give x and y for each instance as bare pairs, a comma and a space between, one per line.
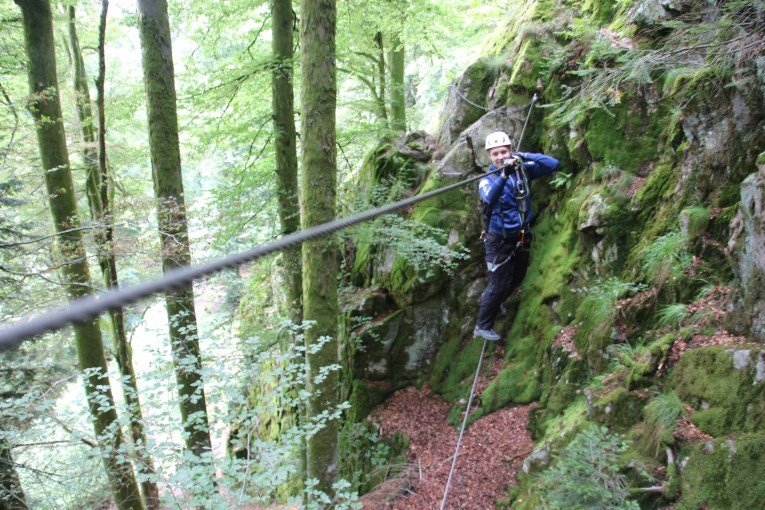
506, 265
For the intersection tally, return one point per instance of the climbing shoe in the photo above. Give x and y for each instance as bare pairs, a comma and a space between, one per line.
486, 334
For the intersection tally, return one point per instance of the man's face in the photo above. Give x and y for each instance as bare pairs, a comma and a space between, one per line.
498, 155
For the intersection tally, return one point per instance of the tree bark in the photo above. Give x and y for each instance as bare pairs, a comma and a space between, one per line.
99, 200
380, 99
11, 493
282, 24
320, 258
159, 80
397, 97
45, 107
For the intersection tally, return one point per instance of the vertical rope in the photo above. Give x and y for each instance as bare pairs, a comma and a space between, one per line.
462, 430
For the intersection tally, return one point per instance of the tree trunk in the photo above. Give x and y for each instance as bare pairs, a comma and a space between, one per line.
11, 494
283, 103
99, 201
381, 107
320, 258
159, 80
46, 109
397, 97
282, 23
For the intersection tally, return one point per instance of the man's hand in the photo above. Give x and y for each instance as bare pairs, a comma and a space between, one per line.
510, 164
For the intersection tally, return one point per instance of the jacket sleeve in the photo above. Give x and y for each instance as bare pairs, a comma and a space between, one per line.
538, 165
491, 191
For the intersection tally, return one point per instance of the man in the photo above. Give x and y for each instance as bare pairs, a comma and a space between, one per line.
507, 212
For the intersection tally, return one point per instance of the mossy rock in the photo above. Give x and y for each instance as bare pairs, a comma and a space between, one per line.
390, 167
474, 84
725, 386
372, 344
627, 136
364, 397
693, 222
724, 474
619, 409
564, 377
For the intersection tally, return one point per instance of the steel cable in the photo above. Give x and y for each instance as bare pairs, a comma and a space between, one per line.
462, 429
86, 308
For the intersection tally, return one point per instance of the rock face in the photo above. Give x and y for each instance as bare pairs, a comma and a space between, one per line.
460, 109
750, 267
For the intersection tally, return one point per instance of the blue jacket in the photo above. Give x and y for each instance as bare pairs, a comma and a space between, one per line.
499, 194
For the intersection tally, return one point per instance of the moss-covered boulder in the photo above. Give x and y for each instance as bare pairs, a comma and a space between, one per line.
726, 387
725, 473
619, 409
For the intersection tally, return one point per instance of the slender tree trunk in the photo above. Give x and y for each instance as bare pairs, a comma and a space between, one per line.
99, 199
320, 258
46, 109
283, 103
282, 23
11, 494
397, 98
159, 80
381, 107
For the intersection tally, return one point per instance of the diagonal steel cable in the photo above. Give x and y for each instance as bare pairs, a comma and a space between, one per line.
90, 306
462, 429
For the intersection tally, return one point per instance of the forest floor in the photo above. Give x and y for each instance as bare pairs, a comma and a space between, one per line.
492, 451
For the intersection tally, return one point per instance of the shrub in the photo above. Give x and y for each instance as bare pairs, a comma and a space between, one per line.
586, 474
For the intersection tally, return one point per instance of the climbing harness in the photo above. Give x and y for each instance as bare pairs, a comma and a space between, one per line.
462, 429
86, 308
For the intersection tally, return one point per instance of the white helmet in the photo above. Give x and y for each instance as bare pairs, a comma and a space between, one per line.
498, 139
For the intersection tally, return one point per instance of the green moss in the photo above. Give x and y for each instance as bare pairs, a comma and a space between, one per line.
619, 409
517, 383
528, 65
454, 366
563, 379
361, 273
626, 137
363, 399
602, 10
567, 424
694, 221
730, 195
727, 398
724, 474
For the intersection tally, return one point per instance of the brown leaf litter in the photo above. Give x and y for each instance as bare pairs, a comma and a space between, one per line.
492, 451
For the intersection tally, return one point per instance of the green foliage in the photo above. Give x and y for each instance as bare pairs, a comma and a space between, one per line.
562, 180
672, 315
598, 311
586, 474
661, 414
666, 258
615, 65
367, 458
